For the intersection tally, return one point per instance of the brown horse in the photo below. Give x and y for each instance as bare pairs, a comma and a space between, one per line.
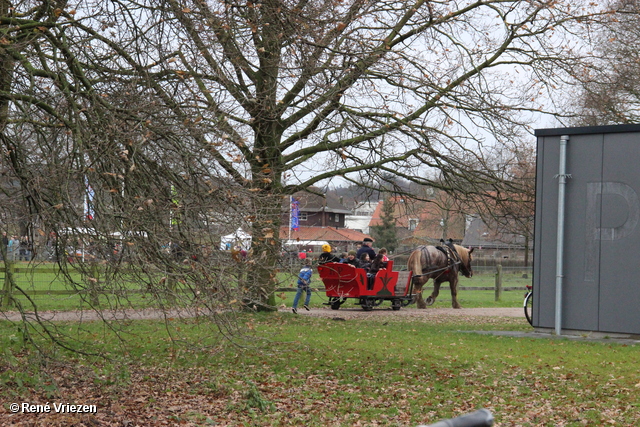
441, 264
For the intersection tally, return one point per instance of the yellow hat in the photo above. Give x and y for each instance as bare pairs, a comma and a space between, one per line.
326, 248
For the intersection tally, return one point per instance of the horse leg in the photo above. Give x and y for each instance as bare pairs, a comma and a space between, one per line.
420, 301
417, 288
453, 284
436, 291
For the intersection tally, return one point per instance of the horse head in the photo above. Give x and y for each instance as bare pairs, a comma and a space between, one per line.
465, 260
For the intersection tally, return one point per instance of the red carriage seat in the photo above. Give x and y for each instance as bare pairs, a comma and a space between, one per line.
342, 280
345, 281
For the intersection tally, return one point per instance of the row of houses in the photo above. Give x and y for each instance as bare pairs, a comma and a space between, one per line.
325, 219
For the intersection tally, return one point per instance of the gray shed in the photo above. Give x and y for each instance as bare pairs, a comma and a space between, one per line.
587, 237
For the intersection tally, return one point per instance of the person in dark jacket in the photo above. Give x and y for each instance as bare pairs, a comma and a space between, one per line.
365, 262
326, 255
351, 259
376, 265
366, 249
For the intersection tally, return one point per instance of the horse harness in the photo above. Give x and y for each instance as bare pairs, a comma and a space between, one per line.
453, 260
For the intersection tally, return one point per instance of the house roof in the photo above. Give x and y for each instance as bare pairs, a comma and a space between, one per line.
429, 216
329, 234
479, 235
310, 202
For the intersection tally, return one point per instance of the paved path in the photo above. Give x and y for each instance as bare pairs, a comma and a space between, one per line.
352, 312
358, 312
90, 315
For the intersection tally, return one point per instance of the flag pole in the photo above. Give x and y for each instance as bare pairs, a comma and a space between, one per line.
290, 215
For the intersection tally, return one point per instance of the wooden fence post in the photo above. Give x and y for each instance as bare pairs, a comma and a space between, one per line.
172, 286
94, 283
498, 288
7, 299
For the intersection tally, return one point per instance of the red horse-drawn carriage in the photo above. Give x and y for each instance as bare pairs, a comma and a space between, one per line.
344, 281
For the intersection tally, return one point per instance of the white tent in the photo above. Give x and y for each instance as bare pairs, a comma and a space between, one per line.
304, 242
238, 238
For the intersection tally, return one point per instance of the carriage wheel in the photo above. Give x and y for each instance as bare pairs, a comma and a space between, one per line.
335, 303
396, 304
528, 307
367, 304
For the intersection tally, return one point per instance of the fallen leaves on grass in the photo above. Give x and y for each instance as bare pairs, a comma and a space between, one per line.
398, 397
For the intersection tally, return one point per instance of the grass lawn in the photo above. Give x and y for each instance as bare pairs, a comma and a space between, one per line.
301, 370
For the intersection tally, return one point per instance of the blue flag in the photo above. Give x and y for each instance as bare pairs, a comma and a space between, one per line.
295, 210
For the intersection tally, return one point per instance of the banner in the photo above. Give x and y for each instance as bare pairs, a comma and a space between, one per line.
89, 211
295, 210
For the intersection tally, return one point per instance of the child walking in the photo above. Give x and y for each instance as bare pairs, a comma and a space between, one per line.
304, 280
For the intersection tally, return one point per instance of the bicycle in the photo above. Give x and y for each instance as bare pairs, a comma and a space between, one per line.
528, 304
479, 418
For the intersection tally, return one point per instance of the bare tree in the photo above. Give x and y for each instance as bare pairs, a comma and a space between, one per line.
510, 209
181, 116
607, 90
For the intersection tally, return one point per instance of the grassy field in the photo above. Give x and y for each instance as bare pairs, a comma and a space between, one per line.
299, 370
49, 289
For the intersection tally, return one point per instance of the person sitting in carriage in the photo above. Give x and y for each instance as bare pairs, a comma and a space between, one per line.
365, 262
376, 265
326, 255
366, 249
383, 252
351, 259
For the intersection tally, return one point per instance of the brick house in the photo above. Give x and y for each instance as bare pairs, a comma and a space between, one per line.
321, 220
421, 223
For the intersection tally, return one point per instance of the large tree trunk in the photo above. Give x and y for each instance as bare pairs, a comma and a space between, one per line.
264, 256
6, 71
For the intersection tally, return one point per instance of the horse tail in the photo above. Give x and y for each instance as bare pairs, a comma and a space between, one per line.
413, 263
416, 262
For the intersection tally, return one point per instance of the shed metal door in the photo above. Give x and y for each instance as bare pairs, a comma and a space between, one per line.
620, 234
